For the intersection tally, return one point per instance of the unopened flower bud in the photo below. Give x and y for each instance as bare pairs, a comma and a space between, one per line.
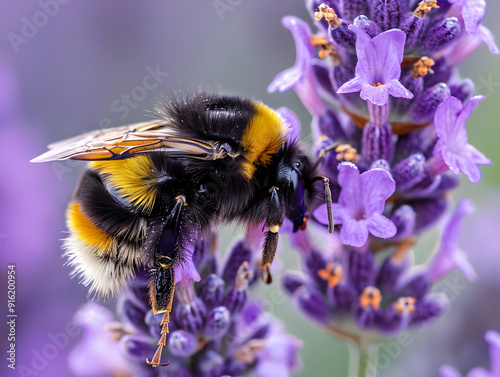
182, 343
413, 26
414, 85
212, 291
409, 172
291, 281
236, 297
370, 27
311, 302
388, 275
397, 316
428, 212
361, 268
424, 107
239, 254
404, 219
191, 316
427, 310
313, 262
343, 37
218, 321
381, 164
137, 347
442, 34
350, 9
388, 13
210, 364
342, 296
133, 314
463, 90
441, 73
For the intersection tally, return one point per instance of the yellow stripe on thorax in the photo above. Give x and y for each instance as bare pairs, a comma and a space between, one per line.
134, 178
263, 136
86, 231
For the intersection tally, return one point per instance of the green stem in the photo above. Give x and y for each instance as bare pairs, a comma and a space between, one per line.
363, 360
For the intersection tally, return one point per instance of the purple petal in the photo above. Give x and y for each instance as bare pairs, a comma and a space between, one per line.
279, 357
396, 89
377, 95
447, 371
473, 12
449, 256
381, 226
293, 123
451, 160
446, 117
304, 53
351, 86
321, 215
366, 54
354, 233
285, 80
468, 109
477, 156
469, 167
389, 47
377, 186
493, 338
348, 180
187, 269
467, 44
488, 38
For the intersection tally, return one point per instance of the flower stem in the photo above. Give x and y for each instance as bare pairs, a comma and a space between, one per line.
363, 360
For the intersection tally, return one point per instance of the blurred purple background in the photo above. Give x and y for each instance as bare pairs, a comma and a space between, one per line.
69, 66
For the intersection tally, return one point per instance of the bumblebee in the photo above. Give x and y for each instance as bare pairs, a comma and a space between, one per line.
151, 188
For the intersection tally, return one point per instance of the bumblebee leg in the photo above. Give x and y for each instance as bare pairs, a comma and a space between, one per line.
275, 217
161, 291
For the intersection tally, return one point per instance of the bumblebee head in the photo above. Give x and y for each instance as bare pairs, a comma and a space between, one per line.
302, 191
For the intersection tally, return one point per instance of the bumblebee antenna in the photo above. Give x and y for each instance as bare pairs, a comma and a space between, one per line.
328, 200
323, 151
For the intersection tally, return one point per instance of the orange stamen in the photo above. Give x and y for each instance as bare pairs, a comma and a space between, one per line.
371, 296
332, 273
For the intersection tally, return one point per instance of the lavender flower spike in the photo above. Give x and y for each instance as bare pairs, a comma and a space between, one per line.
452, 151
493, 338
379, 67
361, 203
449, 255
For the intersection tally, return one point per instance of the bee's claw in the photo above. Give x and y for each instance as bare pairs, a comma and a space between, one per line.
156, 364
266, 275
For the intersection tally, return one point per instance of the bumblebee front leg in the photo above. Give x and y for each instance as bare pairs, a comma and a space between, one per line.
162, 286
274, 220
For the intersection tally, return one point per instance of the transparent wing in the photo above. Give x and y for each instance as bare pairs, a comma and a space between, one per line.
129, 140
